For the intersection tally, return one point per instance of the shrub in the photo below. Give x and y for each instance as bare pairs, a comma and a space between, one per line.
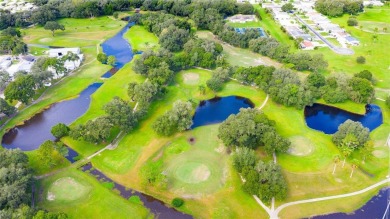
116, 15
361, 60
177, 202
352, 22
101, 57
135, 199
60, 130
109, 185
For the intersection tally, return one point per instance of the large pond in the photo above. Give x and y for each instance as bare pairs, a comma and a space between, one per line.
218, 109
157, 207
36, 130
376, 208
327, 119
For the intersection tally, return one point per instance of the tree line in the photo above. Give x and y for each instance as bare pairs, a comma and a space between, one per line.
16, 181
335, 8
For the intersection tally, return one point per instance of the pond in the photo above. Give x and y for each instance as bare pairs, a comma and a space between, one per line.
36, 130
218, 109
157, 207
327, 119
376, 208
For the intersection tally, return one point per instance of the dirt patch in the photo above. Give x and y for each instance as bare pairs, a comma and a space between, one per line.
191, 78
50, 196
201, 173
191, 140
300, 146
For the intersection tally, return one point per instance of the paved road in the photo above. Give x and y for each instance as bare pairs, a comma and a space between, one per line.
274, 214
338, 50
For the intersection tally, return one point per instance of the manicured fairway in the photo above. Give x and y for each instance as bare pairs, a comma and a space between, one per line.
82, 196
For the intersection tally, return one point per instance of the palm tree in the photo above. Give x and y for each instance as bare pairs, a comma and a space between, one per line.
366, 151
202, 89
355, 164
336, 160
346, 151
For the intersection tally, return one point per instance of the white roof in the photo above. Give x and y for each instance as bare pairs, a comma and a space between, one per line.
64, 51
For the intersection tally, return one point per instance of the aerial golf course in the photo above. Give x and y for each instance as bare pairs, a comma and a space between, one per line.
196, 164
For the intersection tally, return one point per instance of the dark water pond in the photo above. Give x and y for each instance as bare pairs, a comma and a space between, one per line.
327, 119
218, 109
375, 208
157, 207
36, 130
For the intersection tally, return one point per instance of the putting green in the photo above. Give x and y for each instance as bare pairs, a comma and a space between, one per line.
192, 172
191, 78
67, 189
300, 146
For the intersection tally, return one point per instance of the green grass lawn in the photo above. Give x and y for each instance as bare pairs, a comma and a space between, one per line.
140, 39
81, 196
237, 56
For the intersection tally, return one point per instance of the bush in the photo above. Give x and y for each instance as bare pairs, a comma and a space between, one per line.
60, 130
177, 202
101, 57
352, 22
116, 15
109, 185
135, 199
361, 60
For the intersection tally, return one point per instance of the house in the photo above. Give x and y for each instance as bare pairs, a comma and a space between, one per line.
307, 45
25, 64
239, 18
373, 3
5, 62
68, 64
352, 40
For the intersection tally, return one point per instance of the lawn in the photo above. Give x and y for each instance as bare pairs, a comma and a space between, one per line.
140, 39
82, 196
238, 56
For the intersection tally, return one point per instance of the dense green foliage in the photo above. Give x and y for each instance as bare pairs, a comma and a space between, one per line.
352, 21
152, 174
178, 119
22, 89
51, 153
335, 8
11, 42
262, 179
94, 131
121, 114
361, 59
251, 128
6, 108
220, 75
287, 7
352, 135
102, 58
177, 202
60, 130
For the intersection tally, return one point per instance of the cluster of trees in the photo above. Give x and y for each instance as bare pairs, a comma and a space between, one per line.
262, 179
350, 137
11, 42
6, 108
178, 119
16, 180
340, 88
335, 8
251, 128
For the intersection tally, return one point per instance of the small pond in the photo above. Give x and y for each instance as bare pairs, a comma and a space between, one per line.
157, 207
72, 155
327, 119
375, 208
36, 130
218, 109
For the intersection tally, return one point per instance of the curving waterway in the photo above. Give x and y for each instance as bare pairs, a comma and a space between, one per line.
327, 118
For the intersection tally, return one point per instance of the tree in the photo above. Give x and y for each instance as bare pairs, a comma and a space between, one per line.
365, 74
362, 90
70, 56
6, 108
22, 89
15, 179
102, 57
48, 155
53, 26
177, 202
178, 119
5, 78
287, 7
346, 151
173, 38
366, 151
352, 134
361, 60
121, 114
336, 160
94, 131
111, 60
60, 130
144, 93
215, 84
202, 89
152, 174
355, 164
244, 157
352, 21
